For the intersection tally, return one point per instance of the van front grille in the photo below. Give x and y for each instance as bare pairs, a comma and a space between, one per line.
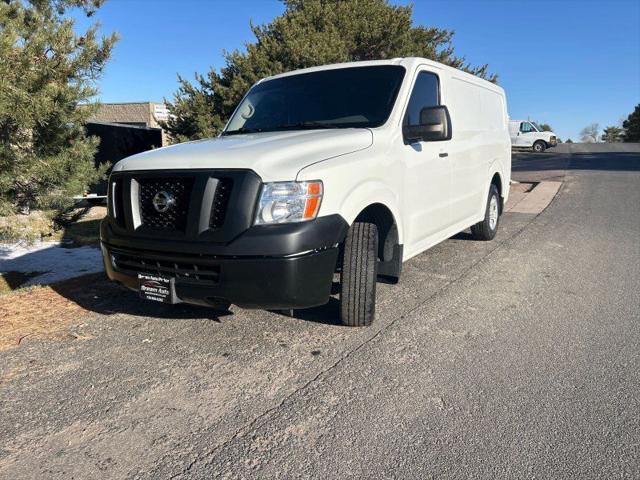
220, 203
164, 202
184, 268
116, 205
200, 205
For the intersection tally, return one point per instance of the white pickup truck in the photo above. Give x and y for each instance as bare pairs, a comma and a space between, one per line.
342, 171
529, 135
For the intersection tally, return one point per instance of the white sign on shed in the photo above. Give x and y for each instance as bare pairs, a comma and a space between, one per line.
161, 112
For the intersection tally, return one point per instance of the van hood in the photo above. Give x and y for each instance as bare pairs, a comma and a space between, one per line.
272, 155
547, 135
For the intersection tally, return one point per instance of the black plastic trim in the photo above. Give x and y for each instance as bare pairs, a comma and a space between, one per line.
261, 266
269, 283
258, 240
393, 267
238, 217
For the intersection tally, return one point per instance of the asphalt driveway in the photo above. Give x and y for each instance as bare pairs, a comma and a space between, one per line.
506, 359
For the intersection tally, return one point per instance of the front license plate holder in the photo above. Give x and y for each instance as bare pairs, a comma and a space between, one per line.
157, 288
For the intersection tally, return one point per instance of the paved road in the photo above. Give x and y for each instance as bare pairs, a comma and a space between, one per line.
517, 358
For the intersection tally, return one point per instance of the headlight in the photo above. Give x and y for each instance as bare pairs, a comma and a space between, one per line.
286, 202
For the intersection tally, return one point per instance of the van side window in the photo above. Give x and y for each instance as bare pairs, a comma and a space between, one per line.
425, 94
525, 127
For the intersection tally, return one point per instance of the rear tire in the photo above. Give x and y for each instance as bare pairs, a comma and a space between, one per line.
487, 228
539, 147
358, 275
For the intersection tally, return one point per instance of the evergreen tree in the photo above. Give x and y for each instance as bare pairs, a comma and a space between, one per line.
308, 33
632, 126
47, 76
612, 134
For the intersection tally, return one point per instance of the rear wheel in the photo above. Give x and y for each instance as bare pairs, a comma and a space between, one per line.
539, 146
358, 276
487, 228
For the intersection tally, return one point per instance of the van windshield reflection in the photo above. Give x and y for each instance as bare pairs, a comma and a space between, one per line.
338, 98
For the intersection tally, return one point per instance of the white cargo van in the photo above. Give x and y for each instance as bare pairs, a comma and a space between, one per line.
346, 169
529, 135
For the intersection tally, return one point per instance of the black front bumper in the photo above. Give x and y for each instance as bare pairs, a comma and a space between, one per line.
271, 267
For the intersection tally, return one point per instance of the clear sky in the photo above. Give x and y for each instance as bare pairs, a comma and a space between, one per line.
568, 63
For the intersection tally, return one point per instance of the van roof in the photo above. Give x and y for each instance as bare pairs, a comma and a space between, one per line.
410, 63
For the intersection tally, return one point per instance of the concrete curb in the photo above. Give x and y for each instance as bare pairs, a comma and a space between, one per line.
537, 199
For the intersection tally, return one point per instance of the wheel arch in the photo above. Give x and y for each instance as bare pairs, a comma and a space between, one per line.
496, 180
542, 141
382, 217
496, 177
373, 201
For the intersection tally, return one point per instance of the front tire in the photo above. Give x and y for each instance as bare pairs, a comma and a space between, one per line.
539, 147
358, 275
487, 228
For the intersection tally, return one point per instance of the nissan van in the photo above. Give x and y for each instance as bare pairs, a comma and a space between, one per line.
323, 182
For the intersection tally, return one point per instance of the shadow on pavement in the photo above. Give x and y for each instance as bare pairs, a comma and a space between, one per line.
327, 314
464, 235
96, 293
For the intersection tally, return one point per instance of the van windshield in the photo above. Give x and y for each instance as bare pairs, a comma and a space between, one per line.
338, 98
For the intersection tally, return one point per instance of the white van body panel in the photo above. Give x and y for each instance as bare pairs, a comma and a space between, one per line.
433, 189
275, 156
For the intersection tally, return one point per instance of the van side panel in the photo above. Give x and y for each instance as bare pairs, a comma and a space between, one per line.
353, 182
481, 143
469, 158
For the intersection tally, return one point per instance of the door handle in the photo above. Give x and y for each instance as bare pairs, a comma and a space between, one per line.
442, 155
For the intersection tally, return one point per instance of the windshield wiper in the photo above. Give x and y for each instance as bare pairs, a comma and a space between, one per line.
305, 126
290, 126
242, 130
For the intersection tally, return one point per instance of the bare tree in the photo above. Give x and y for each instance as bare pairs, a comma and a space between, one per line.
589, 134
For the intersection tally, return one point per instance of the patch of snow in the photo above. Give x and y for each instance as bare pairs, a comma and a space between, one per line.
58, 262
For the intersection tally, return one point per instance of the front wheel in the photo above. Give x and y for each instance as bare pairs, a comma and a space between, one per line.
358, 275
539, 146
487, 228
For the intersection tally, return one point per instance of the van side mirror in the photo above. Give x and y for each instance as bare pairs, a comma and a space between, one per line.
435, 126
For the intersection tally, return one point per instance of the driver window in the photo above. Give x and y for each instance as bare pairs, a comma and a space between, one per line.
425, 94
525, 127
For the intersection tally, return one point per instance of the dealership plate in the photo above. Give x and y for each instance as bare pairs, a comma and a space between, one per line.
156, 288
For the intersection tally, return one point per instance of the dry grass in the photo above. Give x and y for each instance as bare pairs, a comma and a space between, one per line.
34, 312
44, 311
35, 226
84, 230
10, 281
